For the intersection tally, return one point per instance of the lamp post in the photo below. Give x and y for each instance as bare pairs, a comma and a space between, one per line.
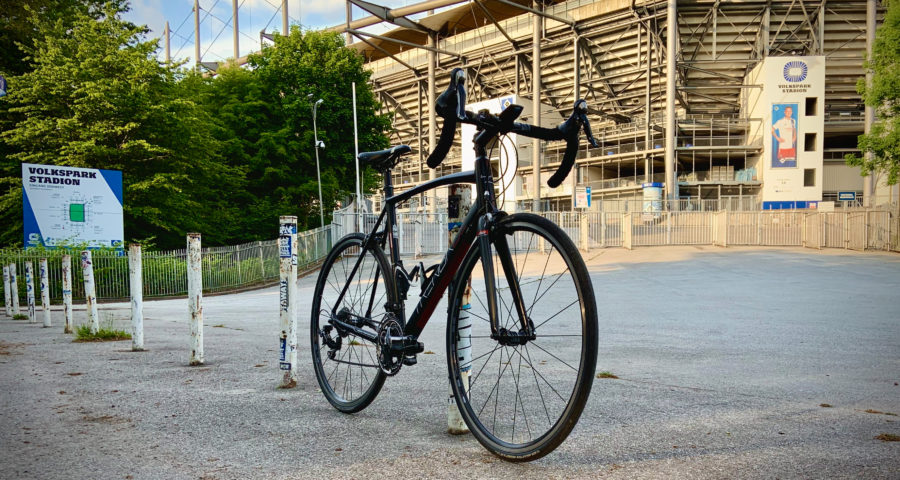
318, 145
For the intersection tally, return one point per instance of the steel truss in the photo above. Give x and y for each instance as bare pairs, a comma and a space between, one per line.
619, 50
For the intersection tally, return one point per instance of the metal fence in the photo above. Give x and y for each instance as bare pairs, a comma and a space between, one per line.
255, 263
856, 230
165, 272
417, 233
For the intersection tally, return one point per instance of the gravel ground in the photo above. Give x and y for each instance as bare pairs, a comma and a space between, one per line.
733, 362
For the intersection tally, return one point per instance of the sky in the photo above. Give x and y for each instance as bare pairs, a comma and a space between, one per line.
216, 31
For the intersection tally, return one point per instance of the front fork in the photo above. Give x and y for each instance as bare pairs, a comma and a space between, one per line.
500, 333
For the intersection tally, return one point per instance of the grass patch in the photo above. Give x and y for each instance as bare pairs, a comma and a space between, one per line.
888, 437
354, 343
606, 374
825, 405
20, 316
104, 334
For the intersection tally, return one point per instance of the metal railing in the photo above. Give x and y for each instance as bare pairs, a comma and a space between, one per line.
164, 272
417, 233
256, 263
856, 230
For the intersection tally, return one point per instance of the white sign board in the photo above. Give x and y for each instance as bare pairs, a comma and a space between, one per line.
71, 206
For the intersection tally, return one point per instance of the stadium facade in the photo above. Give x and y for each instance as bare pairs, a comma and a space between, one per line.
750, 104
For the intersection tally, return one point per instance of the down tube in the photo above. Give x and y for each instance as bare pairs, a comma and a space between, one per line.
441, 278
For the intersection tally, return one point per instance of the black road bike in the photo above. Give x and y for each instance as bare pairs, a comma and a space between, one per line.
521, 318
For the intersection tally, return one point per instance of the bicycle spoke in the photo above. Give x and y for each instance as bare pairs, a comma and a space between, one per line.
557, 313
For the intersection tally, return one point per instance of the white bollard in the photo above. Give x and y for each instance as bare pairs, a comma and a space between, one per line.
195, 296
67, 292
45, 292
29, 290
90, 294
7, 298
14, 288
461, 198
287, 253
136, 281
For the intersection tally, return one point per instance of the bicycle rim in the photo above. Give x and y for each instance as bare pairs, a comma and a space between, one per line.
522, 401
349, 376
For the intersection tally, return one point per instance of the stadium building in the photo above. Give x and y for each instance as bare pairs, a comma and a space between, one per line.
697, 105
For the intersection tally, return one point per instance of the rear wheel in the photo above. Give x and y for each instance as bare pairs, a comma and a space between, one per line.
346, 365
522, 401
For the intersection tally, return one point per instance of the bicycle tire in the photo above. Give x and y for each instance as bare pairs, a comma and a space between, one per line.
551, 325
338, 383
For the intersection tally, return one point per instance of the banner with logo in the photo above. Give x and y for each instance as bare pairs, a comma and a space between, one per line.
784, 135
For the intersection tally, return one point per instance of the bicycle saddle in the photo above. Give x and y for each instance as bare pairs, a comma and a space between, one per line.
384, 159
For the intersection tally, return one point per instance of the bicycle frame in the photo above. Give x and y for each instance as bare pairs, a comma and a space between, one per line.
476, 225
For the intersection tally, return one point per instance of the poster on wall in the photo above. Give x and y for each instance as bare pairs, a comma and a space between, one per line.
784, 135
72, 206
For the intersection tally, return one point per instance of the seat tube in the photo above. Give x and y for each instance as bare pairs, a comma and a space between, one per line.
391, 227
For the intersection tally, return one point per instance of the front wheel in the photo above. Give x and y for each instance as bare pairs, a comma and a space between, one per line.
522, 401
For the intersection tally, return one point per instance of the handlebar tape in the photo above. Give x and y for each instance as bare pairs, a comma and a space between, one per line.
567, 162
448, 131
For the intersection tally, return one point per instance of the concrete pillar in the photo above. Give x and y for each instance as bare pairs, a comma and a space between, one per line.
90, 294
349, 10
284, 18
647, 106
626, 230
195, 296
67, 293
671, 123
576, 52
45, 291
168, 36
460, 201
29, 290
432, 115
287, 253
7, 298
583, 231
14, 288
136, 283
869, 180
234, 21
536, 106
197, 33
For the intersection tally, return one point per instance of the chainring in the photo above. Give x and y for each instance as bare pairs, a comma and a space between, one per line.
390, 364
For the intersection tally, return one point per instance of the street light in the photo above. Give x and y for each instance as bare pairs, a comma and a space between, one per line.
317, 146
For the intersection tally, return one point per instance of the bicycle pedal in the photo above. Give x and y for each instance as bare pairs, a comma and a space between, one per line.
410, 360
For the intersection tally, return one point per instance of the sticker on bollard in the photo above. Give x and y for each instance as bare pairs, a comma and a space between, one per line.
284, 366
283, 351
284, 246
283, 290
287, 229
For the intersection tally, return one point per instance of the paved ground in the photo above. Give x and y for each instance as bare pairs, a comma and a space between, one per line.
726, 357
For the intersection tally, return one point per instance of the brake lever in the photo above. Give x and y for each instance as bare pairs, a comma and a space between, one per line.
461, 98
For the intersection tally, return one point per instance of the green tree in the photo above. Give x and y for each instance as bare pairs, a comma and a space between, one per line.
17, 27
883, 140
97, 97
267, 115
